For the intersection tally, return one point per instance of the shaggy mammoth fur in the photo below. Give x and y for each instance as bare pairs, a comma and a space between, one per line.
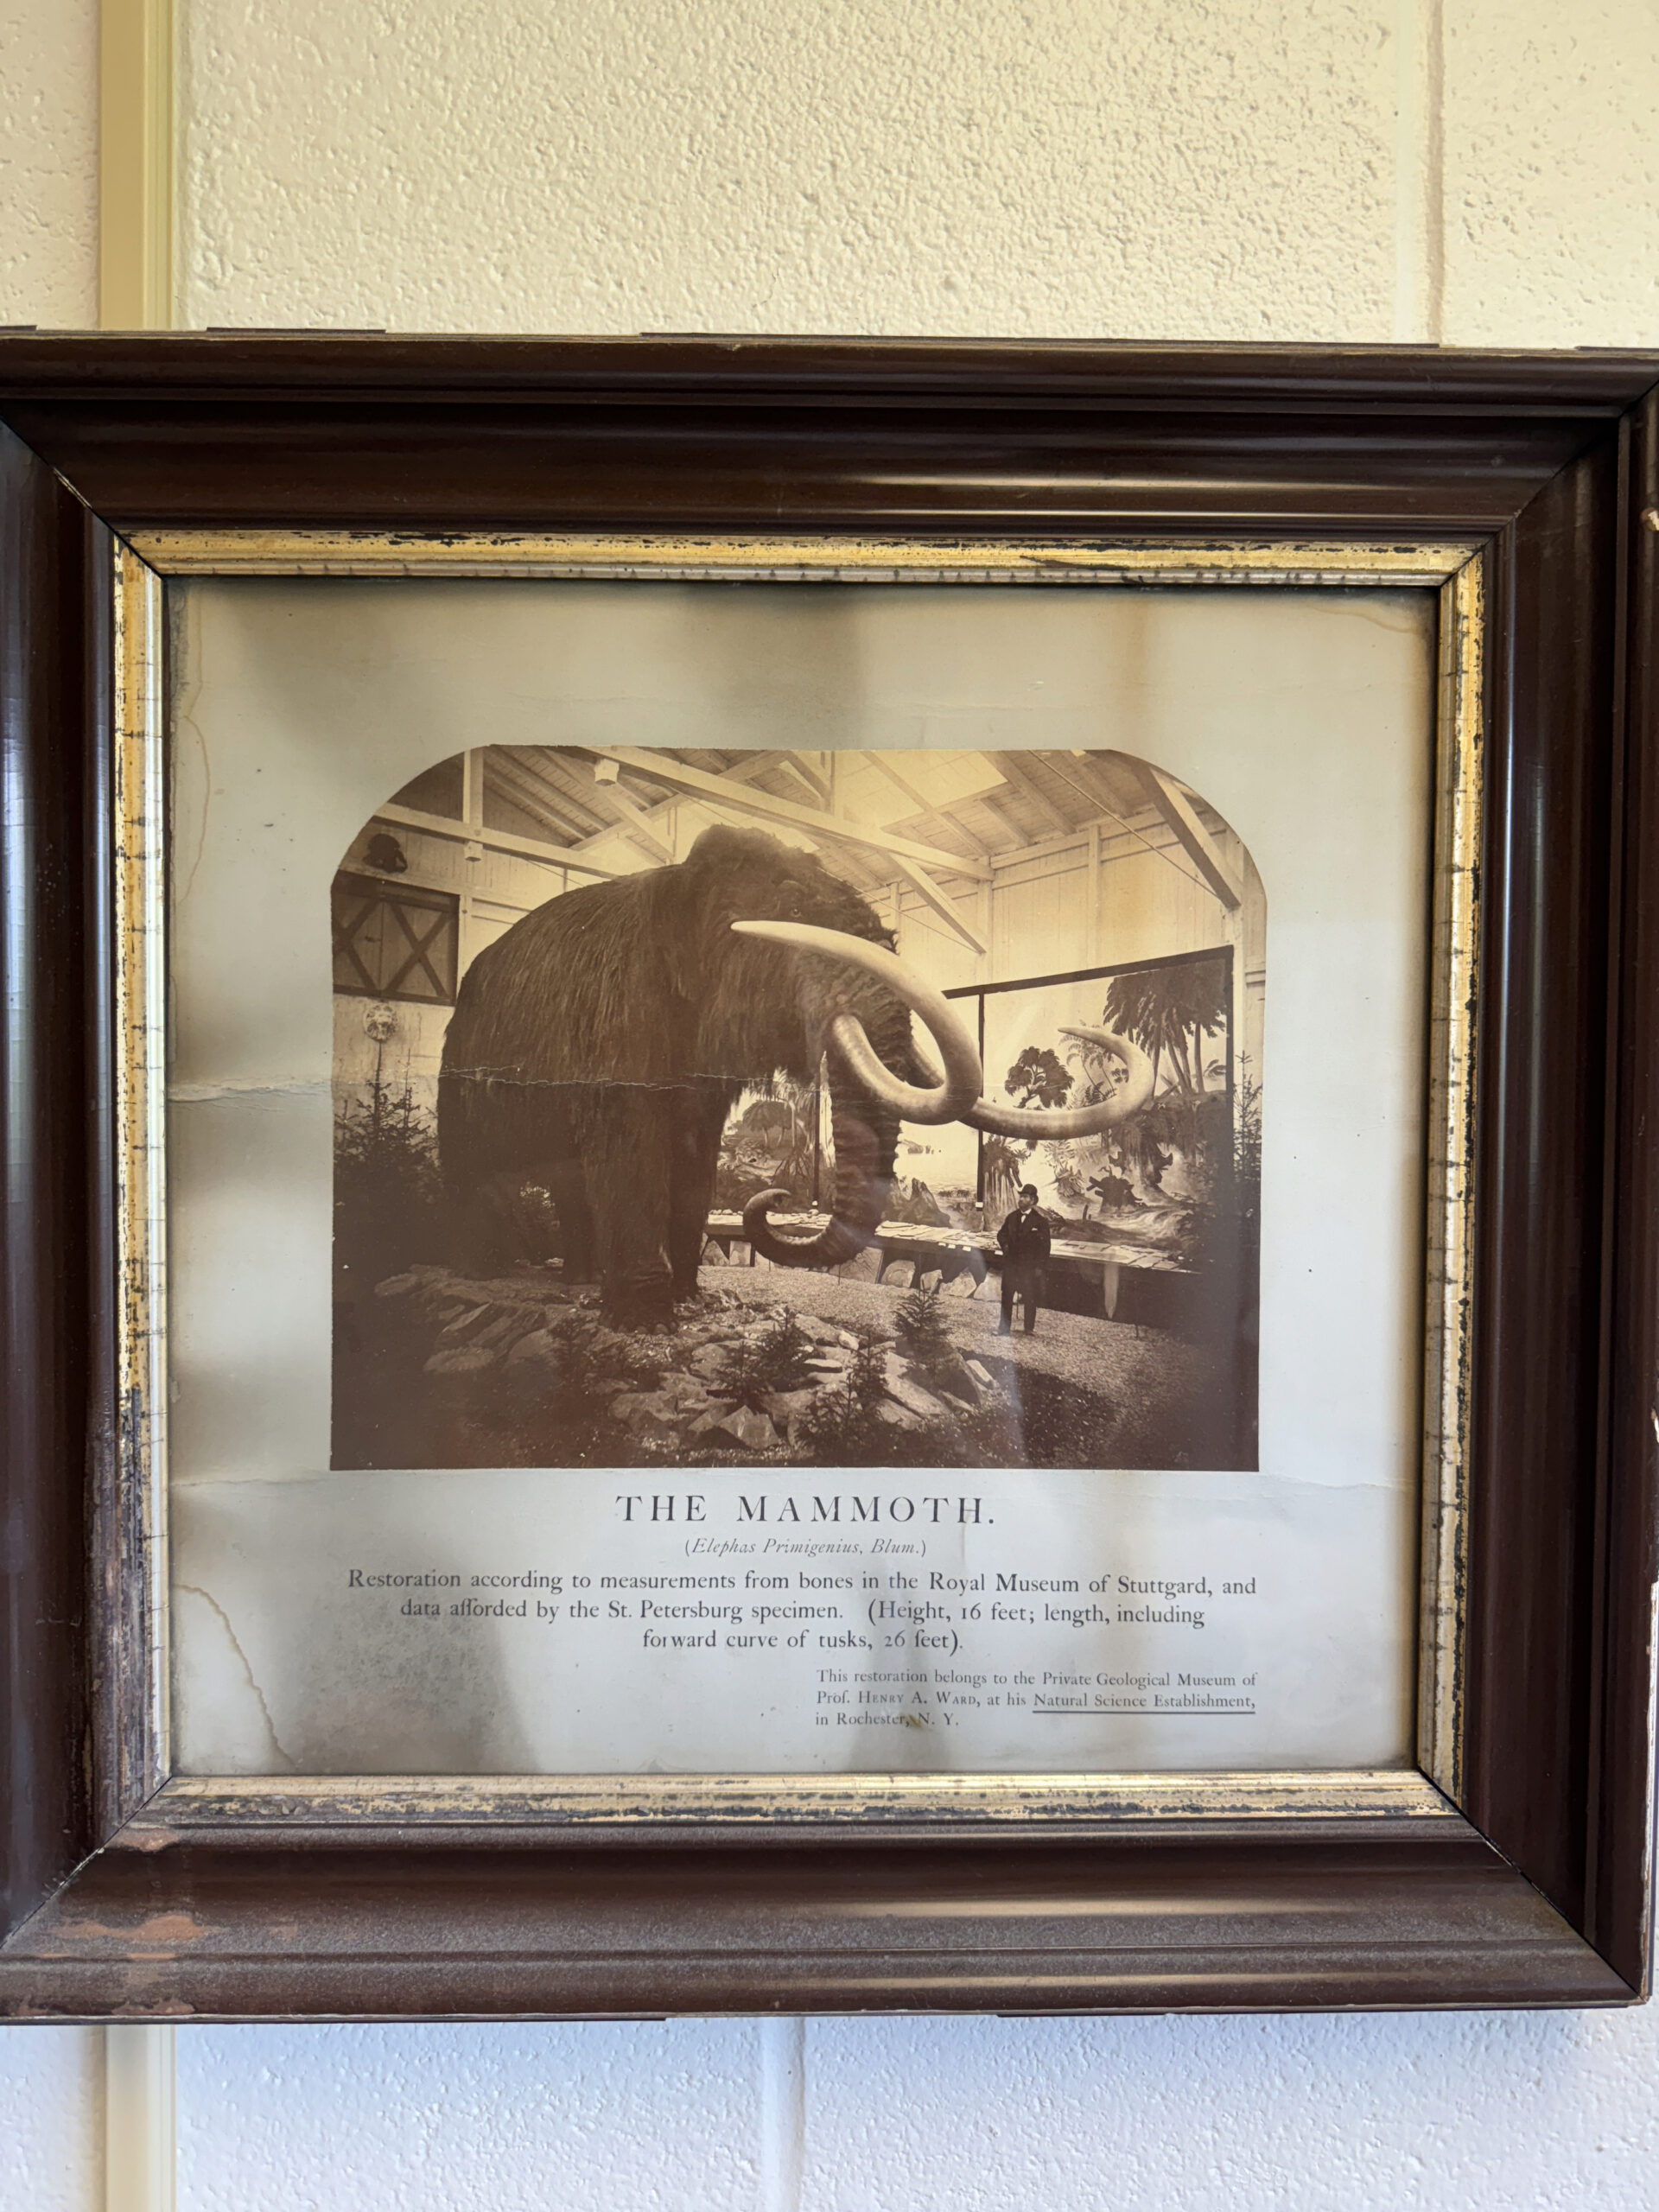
597, 1049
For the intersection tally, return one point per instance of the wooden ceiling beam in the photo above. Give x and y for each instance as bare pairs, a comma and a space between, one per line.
925, 810
1015, 772
994, 806
493, 840
673, 774
1096, 800
540, 774
818, 786
533, 795
1191, 835
759, 763
921, 880
637, 824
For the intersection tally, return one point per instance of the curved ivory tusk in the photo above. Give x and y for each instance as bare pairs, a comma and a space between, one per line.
951, 1097
1050, 1122
838, 1240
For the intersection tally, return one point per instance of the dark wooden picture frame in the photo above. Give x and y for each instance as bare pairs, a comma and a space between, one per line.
1532, 1888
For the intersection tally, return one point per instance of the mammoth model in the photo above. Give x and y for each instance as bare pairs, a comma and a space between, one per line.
598, 1047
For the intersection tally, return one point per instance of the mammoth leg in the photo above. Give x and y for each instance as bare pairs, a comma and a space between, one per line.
697, 1159
477, 1232
494, 1138
627, 1160
567, 1187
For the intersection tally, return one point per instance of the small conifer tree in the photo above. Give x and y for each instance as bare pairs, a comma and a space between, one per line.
923, 1333
841, 1423
761, 1366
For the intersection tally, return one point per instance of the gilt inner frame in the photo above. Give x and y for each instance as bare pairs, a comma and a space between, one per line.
132, 1755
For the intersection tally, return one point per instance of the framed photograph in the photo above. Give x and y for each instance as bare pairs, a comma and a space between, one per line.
832, 1180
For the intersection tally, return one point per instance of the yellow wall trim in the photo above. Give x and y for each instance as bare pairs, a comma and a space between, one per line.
135, 155
140, 2165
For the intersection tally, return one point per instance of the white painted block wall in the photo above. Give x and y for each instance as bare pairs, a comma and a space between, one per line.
1472, 171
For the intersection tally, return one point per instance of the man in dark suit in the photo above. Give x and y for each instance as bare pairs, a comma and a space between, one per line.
1024, 1239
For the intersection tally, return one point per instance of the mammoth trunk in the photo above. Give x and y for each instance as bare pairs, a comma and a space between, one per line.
866, 1138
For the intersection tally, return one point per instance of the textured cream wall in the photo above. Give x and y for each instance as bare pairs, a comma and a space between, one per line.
1482, 171
1223, 170
49, 162
1551, 168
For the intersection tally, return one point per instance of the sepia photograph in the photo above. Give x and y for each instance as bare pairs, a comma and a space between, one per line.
743, 1154
708, 1107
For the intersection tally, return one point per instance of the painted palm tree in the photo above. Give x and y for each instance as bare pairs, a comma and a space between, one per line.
1169, 1012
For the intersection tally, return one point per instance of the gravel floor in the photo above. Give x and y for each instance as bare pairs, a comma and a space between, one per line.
1160, 1387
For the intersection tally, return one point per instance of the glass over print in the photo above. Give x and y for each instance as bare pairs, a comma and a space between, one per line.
615, 1023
